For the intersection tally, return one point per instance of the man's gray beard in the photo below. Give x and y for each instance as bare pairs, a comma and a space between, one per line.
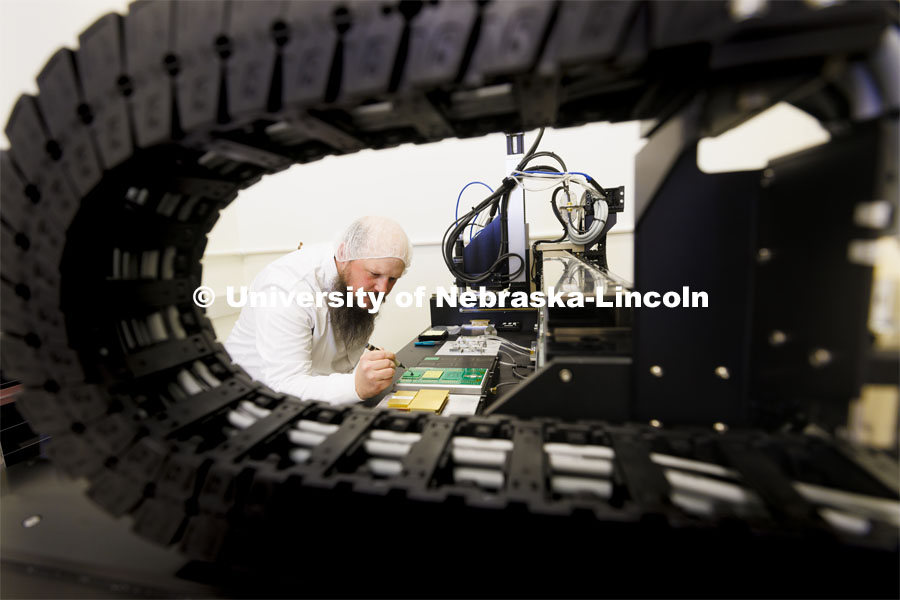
352, 324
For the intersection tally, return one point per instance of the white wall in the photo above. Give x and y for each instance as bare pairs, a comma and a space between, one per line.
779, 131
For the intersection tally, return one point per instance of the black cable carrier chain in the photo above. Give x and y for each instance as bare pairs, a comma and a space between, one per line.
139, 138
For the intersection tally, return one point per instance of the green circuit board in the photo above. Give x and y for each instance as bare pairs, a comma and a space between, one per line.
445, 375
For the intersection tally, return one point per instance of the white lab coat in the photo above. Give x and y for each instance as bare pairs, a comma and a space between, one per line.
293, 349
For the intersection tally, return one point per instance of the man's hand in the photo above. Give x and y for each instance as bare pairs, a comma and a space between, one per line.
374, 373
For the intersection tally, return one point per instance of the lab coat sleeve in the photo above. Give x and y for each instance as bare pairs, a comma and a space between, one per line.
284, 342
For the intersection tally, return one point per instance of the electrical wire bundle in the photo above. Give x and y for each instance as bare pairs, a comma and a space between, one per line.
511, 350
593, 202
498, 201
594, 198
508, 345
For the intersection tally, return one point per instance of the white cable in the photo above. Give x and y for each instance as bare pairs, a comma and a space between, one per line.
882, 509
403, 437
706, 487
317, 427
554, 185
305, 438
509, 356
176, 391
486, 478
667, 460
563, 484
157, 327
241, 420
300, 455
846, 522
591, 451
566, 463
175, 322
565, 179
504, 341
693, 504
514, 347
482, 458
254, 410
188, 383
601, 213
200, 369
386, 449
463, 441
384, 467
510, 352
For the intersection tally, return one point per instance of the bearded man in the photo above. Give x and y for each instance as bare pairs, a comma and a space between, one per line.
315, 350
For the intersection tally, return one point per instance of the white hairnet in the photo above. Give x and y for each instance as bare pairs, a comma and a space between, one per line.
374, 237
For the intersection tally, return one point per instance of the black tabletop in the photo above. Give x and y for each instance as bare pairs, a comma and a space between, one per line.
411, 355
